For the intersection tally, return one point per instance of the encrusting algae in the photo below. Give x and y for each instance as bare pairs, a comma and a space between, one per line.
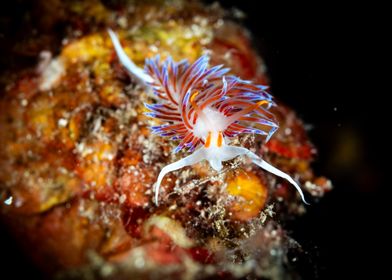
78, 161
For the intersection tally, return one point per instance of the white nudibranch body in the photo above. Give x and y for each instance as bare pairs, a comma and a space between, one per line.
202, 107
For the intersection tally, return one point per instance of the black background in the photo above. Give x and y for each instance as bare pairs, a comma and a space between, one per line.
323, 61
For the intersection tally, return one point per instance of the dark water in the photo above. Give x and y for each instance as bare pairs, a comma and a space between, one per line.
322, 62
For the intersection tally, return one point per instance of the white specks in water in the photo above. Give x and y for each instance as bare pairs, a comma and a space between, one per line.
308, 127
287, 131
238, 14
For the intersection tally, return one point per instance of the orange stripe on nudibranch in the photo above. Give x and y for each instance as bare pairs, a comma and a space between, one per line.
219, 141
262, 102
208, 140
192, 100
254, 106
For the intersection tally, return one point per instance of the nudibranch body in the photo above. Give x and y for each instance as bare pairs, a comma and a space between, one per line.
203, 108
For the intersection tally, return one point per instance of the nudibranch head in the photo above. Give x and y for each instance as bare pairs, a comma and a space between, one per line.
202, 107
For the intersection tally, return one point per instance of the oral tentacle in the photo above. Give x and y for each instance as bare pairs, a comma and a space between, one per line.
194, 158
233, 151
128, 64
272, 169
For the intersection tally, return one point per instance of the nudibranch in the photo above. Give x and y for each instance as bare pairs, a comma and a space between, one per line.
202, 107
